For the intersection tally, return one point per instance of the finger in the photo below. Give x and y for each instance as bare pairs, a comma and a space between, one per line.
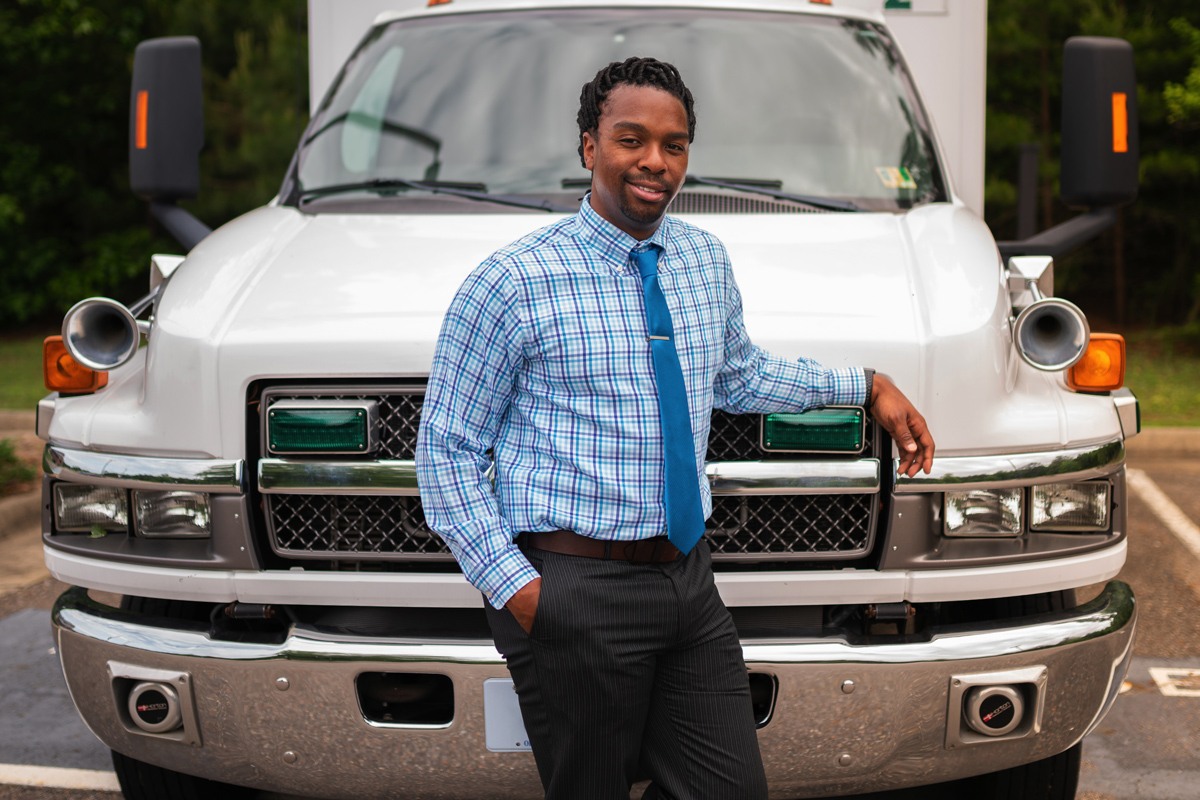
904, 438
926, 441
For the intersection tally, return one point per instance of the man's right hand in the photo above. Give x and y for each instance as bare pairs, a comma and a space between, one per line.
523, 605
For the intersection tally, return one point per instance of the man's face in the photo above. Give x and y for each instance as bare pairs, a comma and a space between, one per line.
638, 156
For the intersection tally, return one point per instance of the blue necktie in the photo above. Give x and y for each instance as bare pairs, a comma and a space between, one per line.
681, 494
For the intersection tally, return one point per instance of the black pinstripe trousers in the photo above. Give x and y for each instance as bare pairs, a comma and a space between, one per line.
633, 671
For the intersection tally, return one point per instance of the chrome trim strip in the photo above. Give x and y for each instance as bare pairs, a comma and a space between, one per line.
399, 477
794, 477
289, 476
1015, 469
215, 475
1110, 612
451, 590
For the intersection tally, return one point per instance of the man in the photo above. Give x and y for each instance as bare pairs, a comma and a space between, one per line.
561, 441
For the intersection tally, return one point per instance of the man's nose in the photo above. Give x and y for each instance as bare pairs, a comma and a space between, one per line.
653, 159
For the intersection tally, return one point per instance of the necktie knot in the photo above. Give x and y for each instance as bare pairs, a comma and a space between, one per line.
647, 260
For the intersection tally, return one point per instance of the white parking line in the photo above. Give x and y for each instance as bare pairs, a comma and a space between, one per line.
1177, 681
1167, 512
58, 778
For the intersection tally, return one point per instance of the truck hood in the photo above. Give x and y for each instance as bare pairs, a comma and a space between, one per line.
278, 294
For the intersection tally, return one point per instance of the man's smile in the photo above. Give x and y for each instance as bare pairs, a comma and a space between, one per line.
649, 192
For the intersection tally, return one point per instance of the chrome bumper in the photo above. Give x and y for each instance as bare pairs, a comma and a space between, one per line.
887, 728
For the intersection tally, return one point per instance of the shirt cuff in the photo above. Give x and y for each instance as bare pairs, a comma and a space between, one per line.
848, 387
505, 576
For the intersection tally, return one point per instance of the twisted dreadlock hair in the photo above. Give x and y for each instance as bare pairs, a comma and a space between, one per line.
634, 72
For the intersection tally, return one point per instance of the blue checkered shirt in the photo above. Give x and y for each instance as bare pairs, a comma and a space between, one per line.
541, 411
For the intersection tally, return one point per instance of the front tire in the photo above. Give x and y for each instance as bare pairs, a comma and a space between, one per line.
142, 781
1054, 778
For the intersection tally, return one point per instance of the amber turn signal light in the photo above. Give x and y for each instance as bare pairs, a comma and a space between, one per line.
1102, 368
62, 373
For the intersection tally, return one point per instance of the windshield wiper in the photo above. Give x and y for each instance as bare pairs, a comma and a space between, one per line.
770, 188
471, 191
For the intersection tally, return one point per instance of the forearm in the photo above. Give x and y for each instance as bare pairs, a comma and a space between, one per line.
760, 383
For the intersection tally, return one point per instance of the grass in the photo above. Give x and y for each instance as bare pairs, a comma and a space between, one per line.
1164, 372
21, 371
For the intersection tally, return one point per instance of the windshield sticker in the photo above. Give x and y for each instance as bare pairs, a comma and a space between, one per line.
895, 178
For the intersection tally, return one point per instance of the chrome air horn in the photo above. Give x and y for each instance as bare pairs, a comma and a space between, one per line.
102, 334
1050, 333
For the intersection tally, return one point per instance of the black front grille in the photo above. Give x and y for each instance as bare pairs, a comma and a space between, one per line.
352, 526
797, 526
392, 528
717, 203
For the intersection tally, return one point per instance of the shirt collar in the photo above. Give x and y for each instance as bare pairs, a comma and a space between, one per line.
612, 243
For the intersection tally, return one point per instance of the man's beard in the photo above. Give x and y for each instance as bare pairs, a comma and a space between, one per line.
641, 213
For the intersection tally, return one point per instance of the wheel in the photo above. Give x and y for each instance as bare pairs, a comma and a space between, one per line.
1054, 778
142, 781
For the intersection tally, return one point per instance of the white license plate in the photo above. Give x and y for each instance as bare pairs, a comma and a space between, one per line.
504, 729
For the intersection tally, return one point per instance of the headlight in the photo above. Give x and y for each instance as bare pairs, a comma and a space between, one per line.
983, 512
1069, 507
80, 507
172, 514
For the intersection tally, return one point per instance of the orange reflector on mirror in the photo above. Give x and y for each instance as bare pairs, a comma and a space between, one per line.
1102, 368
1120, 123
62, 373
143, 112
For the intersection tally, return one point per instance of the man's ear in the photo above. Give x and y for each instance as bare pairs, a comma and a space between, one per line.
589, 151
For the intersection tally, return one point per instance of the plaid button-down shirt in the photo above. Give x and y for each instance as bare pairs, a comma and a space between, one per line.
541, 411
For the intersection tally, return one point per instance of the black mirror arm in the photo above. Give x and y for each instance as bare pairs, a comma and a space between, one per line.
1066, 237
180, 223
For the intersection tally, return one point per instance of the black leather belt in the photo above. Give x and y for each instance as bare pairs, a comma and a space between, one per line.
640, 551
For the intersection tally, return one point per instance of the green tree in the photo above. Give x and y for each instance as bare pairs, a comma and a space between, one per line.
69, 226
1155, 243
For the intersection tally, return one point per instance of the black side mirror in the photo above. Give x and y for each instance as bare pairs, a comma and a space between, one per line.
166, 119
1099, 123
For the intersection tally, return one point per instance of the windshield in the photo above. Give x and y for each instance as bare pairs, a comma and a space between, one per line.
807, 105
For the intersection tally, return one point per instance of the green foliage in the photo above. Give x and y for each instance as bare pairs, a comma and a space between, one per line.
1157, 246
1183, 100
256, 97
12, 469
69, 225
